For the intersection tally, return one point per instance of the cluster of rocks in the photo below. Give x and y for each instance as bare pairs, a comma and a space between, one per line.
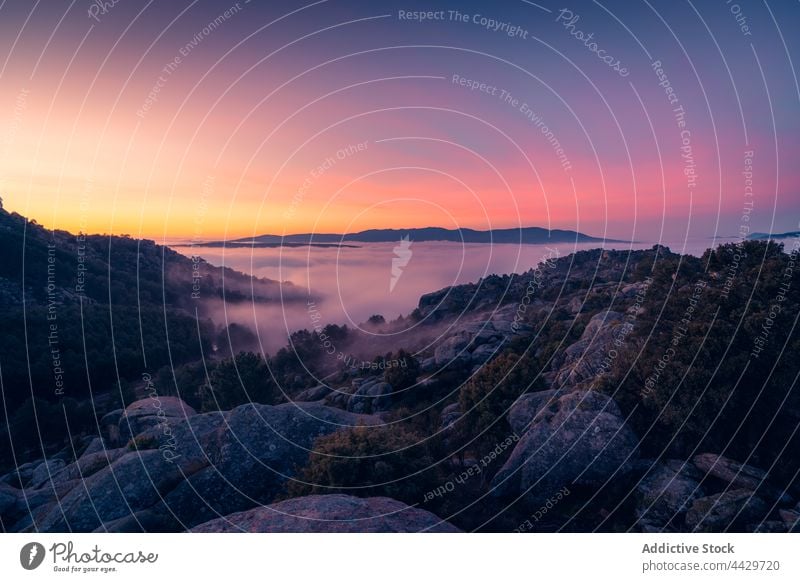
579, 438
470, 342
450, 302
603, 268
582, 362
180, 469
573, 436
711, 493
34, 489
364, 396
369, 395
474, 340
570, 435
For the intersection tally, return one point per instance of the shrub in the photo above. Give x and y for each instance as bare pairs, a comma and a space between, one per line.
241, 380
487, 396
369, 461
405, 373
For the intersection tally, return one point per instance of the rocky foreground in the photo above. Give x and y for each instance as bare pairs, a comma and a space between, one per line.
158, 465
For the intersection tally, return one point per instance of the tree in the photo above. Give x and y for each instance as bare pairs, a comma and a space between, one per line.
237, 381
376, 320
235, 338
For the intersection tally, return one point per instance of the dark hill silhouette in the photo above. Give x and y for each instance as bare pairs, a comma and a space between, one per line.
89, 312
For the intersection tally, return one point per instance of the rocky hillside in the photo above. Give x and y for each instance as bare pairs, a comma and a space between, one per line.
83, 317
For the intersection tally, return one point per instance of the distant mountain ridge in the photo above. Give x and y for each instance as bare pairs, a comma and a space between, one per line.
526, 235
766, 235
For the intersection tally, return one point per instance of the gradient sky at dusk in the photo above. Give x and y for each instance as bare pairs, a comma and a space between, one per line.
235, 143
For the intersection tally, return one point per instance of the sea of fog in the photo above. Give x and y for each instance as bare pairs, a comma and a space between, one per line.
349, 284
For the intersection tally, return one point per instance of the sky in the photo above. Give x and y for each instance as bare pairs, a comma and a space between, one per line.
203, 120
